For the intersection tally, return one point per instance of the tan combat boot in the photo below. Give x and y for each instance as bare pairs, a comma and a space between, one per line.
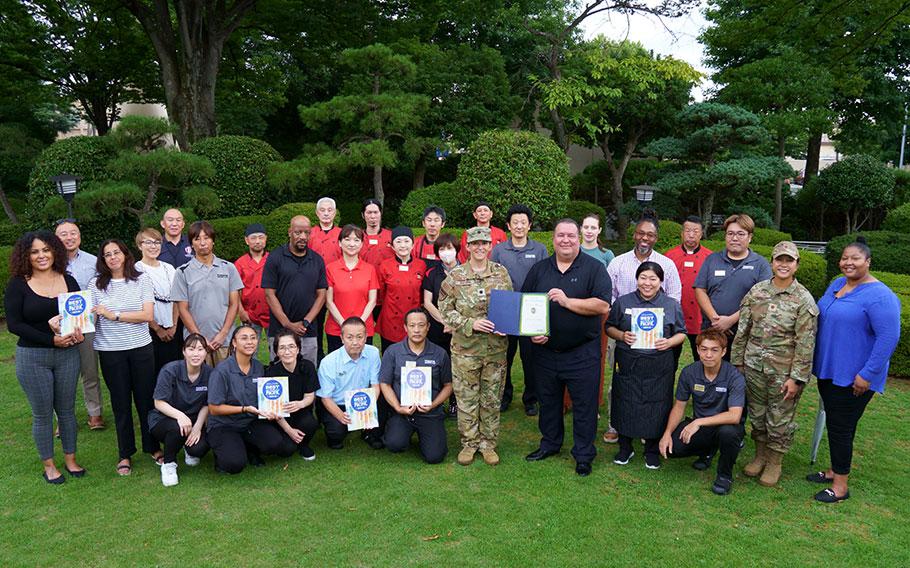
771, 474
755, 467
490, 457
466, 456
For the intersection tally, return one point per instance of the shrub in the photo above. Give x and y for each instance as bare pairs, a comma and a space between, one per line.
278, 221
504, 167
578, 209
898, 219
446, 195
769, 237
9, 233
900, 285
890, 251
668, 237
5, 253
811, 272
240, 164
229, 232
84, 156
856, 185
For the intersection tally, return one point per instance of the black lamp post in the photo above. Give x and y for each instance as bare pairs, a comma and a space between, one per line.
66, 186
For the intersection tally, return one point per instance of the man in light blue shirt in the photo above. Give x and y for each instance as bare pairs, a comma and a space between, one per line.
354, 366
81, 266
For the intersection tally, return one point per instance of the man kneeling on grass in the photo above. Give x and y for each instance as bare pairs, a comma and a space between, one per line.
718, 393
411, 358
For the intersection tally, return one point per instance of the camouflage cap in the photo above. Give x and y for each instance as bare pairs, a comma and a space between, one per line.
785, 248
479, 234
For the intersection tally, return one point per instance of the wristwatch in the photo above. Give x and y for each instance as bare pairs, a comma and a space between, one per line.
116, 316
306, 322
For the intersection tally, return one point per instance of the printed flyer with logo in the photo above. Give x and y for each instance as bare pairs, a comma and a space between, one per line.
76, 312
416, 383
361, 408
273, 395
648, 327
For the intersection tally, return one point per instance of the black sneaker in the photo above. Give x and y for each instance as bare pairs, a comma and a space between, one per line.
306, 453
652, 461
336, 446
505, 405
722, 485
702, 463
623, 457
374, 442
255, 460
531, 410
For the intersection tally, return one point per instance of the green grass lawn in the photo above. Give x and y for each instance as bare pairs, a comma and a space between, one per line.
360, 507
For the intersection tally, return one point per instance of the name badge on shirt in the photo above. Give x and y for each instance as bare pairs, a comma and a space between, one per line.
688, 264
628, 311
403, 268
721, 389
531, 256
431, 256
374, 241
698, 388
202, 389
720, 273
408, 364
748, 267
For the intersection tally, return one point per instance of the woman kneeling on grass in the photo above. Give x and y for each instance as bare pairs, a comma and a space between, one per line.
302, 386
180, 410
233, 424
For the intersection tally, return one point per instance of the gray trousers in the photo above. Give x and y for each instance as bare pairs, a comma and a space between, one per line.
48, 376
91, 384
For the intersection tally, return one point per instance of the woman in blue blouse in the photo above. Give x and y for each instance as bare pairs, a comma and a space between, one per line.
859, 312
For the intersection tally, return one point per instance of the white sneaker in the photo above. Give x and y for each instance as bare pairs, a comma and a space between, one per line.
169, 474
190, 460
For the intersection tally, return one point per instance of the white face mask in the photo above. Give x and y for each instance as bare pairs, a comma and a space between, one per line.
447, 255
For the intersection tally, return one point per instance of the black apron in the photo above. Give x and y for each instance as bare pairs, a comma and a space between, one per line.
642, 394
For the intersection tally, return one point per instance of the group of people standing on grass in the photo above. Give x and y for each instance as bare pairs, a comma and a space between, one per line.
170, 346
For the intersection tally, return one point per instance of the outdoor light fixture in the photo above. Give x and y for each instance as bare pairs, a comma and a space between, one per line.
644, 193
66, 186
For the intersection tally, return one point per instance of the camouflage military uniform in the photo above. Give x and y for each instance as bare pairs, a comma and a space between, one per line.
775, 342
478, 359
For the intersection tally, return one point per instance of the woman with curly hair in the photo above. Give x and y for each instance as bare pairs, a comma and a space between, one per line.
47, 363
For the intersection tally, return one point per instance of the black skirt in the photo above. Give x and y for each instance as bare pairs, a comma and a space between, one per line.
642, 393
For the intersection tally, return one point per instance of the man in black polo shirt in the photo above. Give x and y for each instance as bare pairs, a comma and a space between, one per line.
718, 393
580, 292
175, 248
294, 283
427, 420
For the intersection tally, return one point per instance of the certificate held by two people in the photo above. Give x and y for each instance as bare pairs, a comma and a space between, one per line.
515, 313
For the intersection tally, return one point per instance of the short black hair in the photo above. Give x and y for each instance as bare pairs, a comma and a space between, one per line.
353, 320
695, 219
482, 203
653, 267
416, 311
433, 208
648, 215
568, 220
370, 201
860, 243
518, 209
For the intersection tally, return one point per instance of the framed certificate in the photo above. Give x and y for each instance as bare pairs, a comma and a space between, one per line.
514, 313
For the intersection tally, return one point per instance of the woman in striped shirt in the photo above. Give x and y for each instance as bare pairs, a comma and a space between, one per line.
124, 305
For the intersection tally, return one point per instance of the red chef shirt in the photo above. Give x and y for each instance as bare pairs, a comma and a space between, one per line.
687, 264
252, 297
400, 290
325, 243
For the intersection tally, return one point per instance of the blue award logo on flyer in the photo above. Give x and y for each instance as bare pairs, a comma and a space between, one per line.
272, 390
360, 401
75, 305
416, 379
647, 321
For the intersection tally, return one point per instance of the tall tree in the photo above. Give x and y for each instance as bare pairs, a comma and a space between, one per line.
189, 39
375, 114
617, 96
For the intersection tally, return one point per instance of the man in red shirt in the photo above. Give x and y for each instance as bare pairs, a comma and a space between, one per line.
434, 219
324, 242
254, 310
483, 214
377, 243
688, 258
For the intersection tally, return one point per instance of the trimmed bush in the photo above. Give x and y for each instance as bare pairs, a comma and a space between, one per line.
898, 219
578, 209
769, 237
5, 254
278, 221
503, 167
890, 251
668, 238
900, 285
84, 156
444, 194
229, 233
9, 233
240, 164
811, 272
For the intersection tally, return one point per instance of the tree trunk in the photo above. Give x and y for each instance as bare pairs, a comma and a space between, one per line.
779, 185
188, 48
617, 172
420, 172
7, 207
377, 184
709, 207
559, 130
813, 152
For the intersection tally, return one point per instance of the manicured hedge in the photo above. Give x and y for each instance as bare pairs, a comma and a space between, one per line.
890, 251
230, 230
769, 237
900, 285
240, 164
577, 210
446, 195
668, 234
898, 219
5, 253
9, 233
811, 266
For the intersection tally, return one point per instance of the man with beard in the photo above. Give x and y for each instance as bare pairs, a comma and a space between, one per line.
254, 310
294, 282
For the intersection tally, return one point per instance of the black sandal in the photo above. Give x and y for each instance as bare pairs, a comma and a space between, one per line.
76, 472
829, 496
819, 477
